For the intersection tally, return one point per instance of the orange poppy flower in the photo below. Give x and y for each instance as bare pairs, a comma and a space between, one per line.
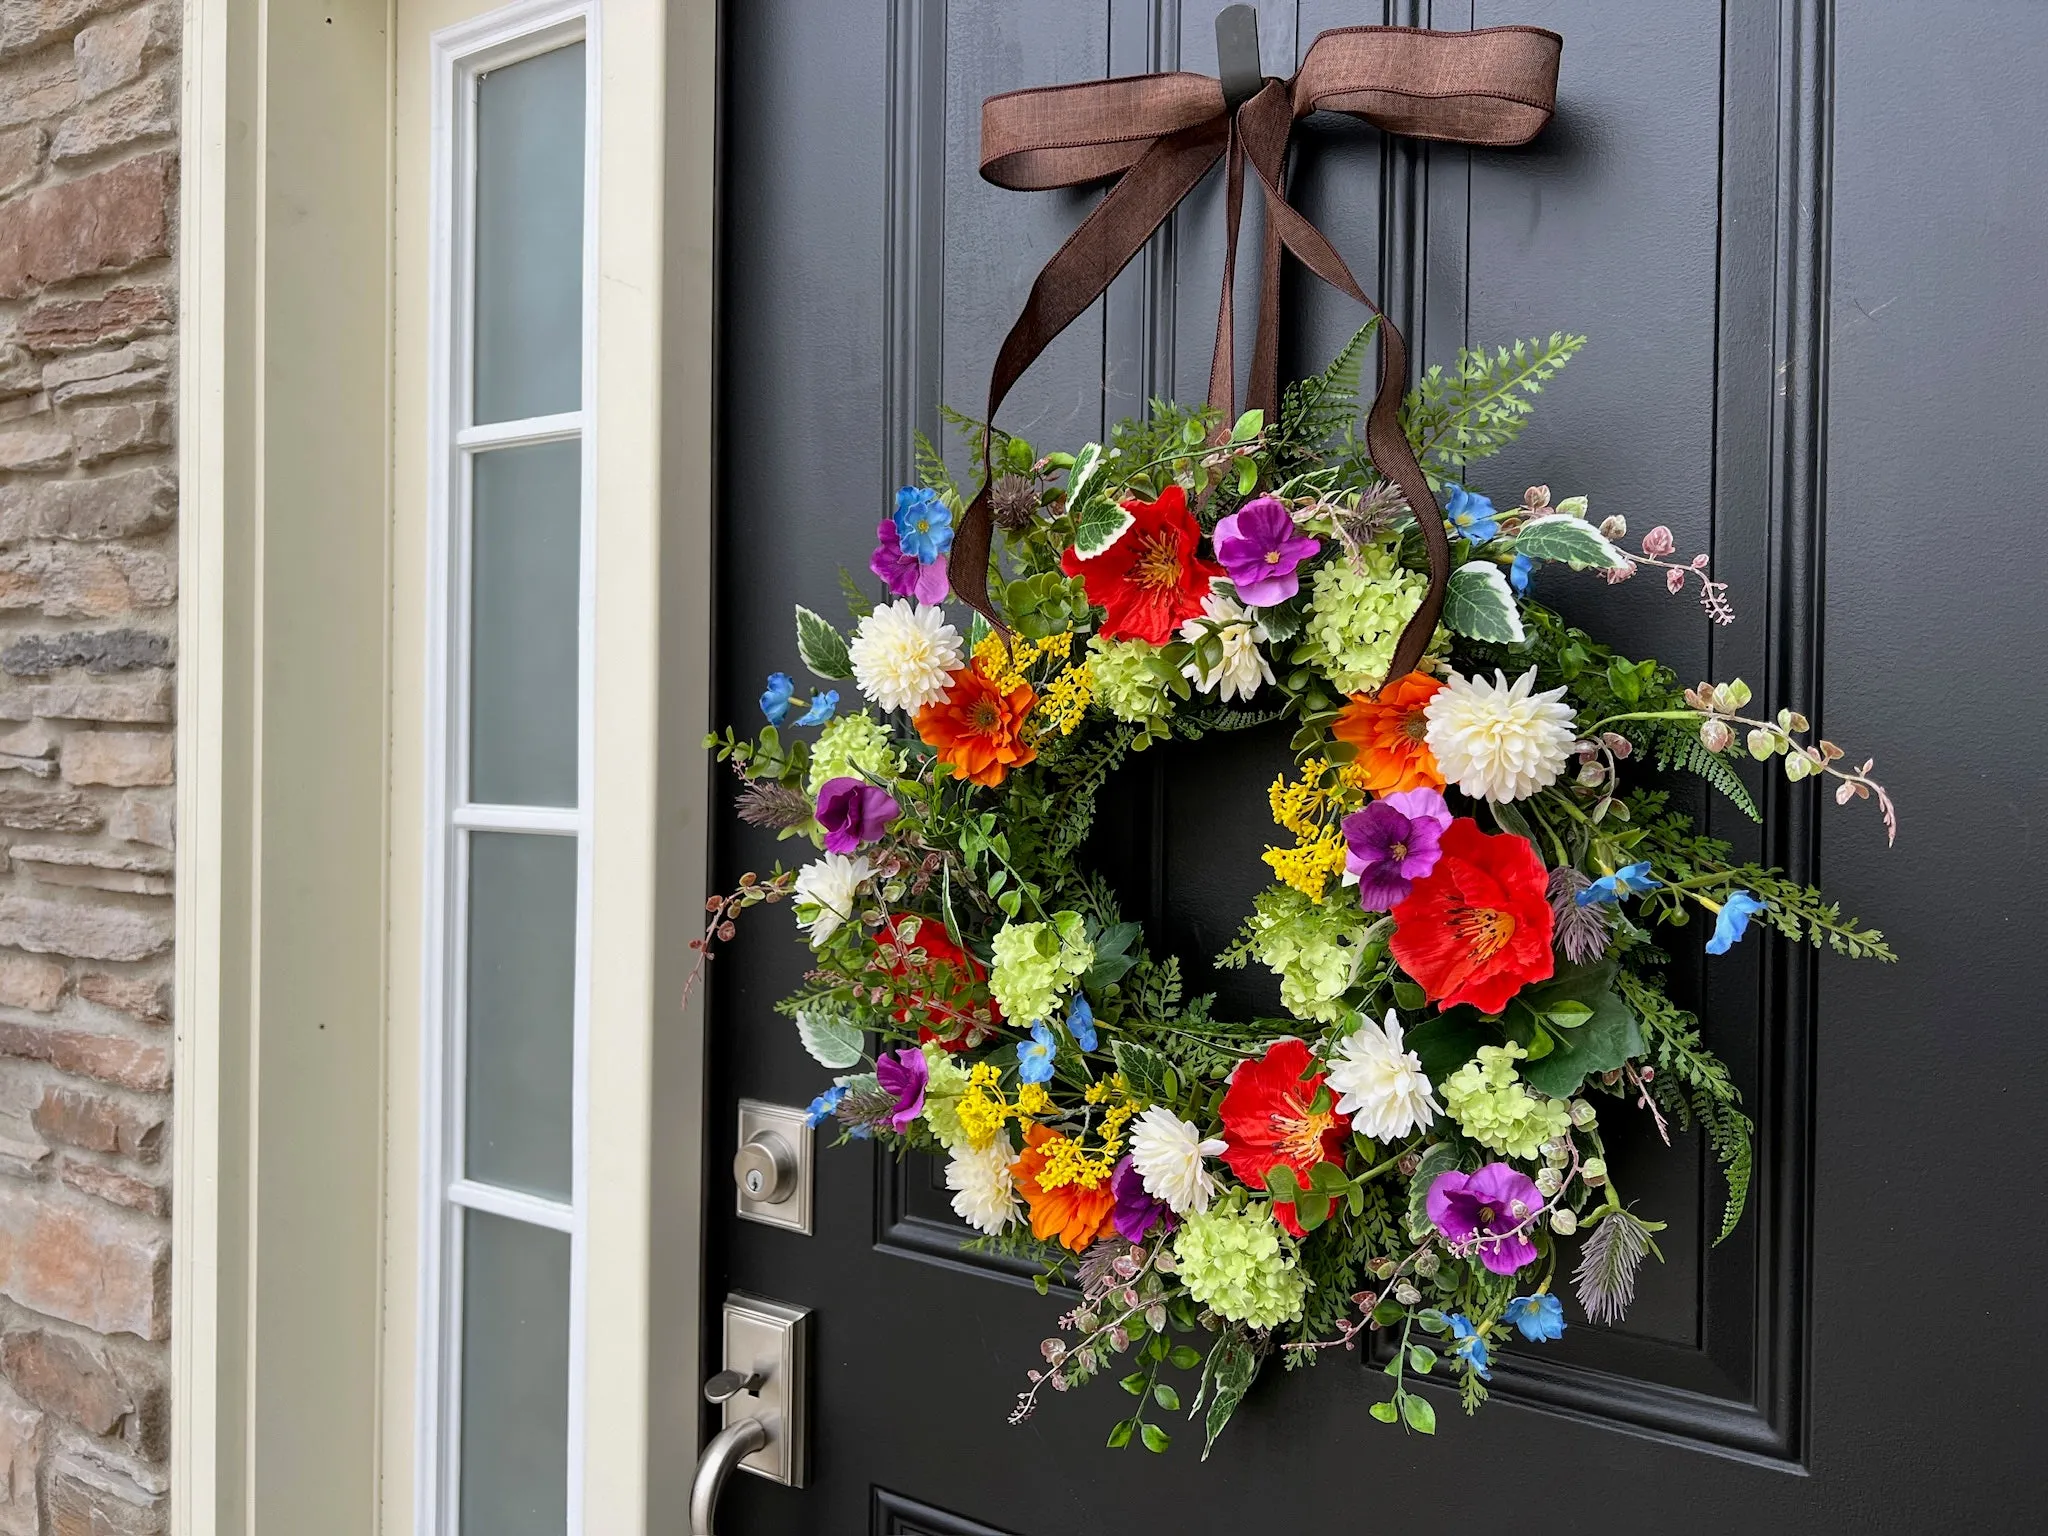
977, 727
1388, 733
1074, 1215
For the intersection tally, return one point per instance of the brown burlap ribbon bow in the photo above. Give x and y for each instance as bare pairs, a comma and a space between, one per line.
1158, 135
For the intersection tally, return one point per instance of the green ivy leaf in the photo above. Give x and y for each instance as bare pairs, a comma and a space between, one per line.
821, 646
1086, 463
1166, 1397
1099, 524
1186, 1357
1134, 1383
1232, 1367
834, 1042
1120, 1434
1156, 1439
1571, 540
1421, 1358
1478, 604
1146, 1073
1386, 1413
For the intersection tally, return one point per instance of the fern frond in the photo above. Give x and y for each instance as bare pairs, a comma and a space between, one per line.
1693, 1085
1481, 403
1318, 408
929, 465
1678, 745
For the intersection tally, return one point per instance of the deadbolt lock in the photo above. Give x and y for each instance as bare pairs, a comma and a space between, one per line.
771, 1171
765, 1168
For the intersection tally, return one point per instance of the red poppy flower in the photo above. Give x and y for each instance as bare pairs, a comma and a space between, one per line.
1269, 1118
946, 980
1150, 580
1477, 927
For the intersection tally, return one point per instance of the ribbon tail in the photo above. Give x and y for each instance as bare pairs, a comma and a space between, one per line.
1078, 274
1384, 440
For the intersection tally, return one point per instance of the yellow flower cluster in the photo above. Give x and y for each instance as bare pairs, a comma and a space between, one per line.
1299, 807
1068, 1161
1311, 866
1066, 699
1308, 810
1006, 665
984, 1109
1063, 695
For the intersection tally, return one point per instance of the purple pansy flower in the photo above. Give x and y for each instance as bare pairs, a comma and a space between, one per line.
1488, 1210
1135, 1213
853, 812
901, 571
903, 1075
1392, 843
1260, 550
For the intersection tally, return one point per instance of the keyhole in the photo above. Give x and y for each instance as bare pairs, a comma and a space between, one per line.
754, 1181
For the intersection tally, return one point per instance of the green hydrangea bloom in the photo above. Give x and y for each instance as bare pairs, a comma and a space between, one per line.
855, 746
1239, 1264
1125, 683
1485, 1097
1033, 964
1314, 948
945, 1083
1356, 612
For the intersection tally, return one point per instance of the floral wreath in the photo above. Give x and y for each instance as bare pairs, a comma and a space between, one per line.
1467, 919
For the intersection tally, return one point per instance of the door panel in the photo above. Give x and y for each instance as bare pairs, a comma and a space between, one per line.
1722, 187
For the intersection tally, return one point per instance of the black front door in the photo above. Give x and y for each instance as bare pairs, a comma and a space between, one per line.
1806, 243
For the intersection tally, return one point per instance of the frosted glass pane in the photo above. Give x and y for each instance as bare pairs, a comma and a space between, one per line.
515, 1378
524, 554
522, 990
529, 237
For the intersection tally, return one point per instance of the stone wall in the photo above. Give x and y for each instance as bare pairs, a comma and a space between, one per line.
88, 583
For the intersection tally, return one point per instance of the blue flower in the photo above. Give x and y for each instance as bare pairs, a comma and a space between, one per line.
1469, 1347
823, 707
823, 1106
1629, 880
1472, 517
1733, 921
924, 524
1518, 573
1034, 1056
1081, 1023
775, 697
1537, 1317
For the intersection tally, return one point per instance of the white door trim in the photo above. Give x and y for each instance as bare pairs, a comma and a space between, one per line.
286, 298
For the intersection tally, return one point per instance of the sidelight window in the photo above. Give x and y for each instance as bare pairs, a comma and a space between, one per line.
508, 783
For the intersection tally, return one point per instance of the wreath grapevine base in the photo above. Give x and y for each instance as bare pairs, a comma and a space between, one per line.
1477, 869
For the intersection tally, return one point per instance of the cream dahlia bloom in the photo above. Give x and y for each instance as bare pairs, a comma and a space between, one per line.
903, 654
826, 893
1168, 1154
1380, 1086
1244, 666
984, 1195
1497, 742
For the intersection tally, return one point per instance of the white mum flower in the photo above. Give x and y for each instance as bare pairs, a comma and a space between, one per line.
1497, 742
903, 654
1168, 1154
1381, 1086
826, 893
1243, 667
984, 1195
